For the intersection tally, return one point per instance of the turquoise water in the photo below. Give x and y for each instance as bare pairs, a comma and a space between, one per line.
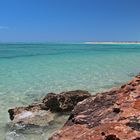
30, 71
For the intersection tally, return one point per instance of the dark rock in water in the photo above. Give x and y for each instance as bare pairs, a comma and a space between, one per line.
64, 101
40, 114
112, 115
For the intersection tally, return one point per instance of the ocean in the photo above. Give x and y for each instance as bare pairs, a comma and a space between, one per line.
30, 71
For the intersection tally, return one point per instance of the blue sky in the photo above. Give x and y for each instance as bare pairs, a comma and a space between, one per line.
69, 20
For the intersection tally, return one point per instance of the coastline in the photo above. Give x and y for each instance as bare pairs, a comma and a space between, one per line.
86, 67
127, 43
110, 115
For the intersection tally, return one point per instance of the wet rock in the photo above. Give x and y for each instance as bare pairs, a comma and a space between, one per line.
26, 111
40, 114
26, 116
112, 115
64, 101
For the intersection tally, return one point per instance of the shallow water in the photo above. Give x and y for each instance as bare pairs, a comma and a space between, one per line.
30, 71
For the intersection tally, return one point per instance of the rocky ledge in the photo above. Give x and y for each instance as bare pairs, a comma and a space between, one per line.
40, 114
112, 115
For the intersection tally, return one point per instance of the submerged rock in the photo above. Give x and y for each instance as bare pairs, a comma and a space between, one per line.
40, 114
14, 136
112, 115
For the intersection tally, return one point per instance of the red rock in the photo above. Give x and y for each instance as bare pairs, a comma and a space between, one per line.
112, 115
137, 104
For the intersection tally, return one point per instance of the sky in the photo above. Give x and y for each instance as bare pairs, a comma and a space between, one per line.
69, 20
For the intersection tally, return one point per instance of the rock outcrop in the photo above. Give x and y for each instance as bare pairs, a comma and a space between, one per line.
40, 114
65, 101
112, 115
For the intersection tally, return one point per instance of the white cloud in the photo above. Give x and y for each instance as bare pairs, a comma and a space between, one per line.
3, 27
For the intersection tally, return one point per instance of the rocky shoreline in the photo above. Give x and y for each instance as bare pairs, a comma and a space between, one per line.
44, 112
111, 115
